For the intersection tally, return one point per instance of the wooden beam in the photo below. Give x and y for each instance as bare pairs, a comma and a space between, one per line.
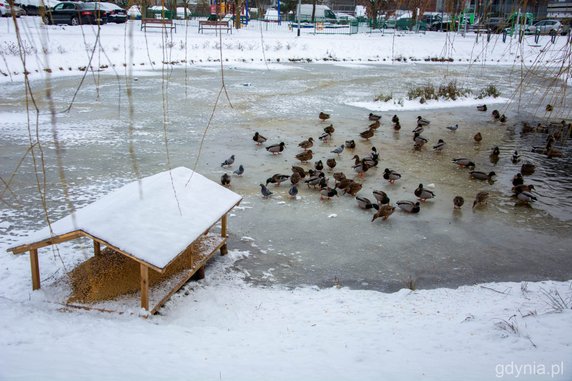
223, 226
47, 242
144, 287
35, 269
96, 248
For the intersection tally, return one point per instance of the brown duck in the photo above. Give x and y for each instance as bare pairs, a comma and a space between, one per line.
384, 212
323, 116
367, 134
305, 156
307, 143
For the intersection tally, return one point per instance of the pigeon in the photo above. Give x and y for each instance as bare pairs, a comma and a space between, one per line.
265, 192
293, 191
239, 171
453, 128
338, 150
228, 162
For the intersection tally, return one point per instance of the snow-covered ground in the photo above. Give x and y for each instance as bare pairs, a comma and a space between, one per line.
225, 328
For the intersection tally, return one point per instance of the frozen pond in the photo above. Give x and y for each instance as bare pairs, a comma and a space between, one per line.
309, 241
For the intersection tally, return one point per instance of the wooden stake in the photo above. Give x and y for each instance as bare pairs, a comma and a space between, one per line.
35, 269
199, 274
144, 287
96, 248
223, 223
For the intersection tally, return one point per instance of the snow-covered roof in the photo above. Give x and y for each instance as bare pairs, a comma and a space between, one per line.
153, 220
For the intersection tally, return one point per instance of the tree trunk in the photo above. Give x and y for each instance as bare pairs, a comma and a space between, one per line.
314, 10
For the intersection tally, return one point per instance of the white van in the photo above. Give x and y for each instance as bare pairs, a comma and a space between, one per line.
323, 13
271, 15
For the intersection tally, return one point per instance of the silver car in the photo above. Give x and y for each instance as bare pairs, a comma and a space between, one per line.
545, 27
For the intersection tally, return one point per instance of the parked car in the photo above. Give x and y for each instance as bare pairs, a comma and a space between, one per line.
75, 13
17, 10
5, 9
36, 7
406, 23
114, 12
134, 12
444, 26
545, 27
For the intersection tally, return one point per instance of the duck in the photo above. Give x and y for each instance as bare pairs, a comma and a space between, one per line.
502, 118
481, 199
295, 178
299, 170
360, 167
478, 175
439, 146
423, 194
482, 107
325, 137
549, 108
397, 126
265, 191
419, 141
383, 212
319, 165
453, 128
381, 197
276, 148
305, 156
327, 193
375, 125
478, 137
228, 162
350, 144
367, 134
307, 143
527, 128
463, 162
293, 191
339, 176
239, 171
374, 155
418, 130
553, 152
517, 180
277, 179
395, 119
225, 180
527, 169
391, 176
458, 202
259, 139
365, 203
515, 157
338, 150
329, 129
409, 206
323, 116
315, 180
422, 121
331, 163
523, 188
374, 117
496, 114
526, 197
343, 183
494, 156
353, 188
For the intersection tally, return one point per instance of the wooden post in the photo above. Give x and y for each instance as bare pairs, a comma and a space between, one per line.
96, 248
200, 274
35, 269
144, 287
224, 220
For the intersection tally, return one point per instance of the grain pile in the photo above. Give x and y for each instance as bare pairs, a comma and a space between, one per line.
111, 274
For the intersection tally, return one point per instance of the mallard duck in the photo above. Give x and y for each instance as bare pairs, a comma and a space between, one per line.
319, 165
515, 157
343, 183
327, 193
367, 134
479, 175
494, 156
305, 156
418, 130
419, 141
276, 148
331, 163
293, 191
375, 125
453, 128
239, 171
481, 199
423, 194
329, 129
496, 151
259, 139
374, 155
478, 137
482, 108
496, 114
458, 202
381, 197
422, 121
502, 118
464, 162
374, 117
323, 116
350, 144
277, 179
299, 170
307, 143
361, 167
395, 119
228, 162
325, 137
295, 178
397, 126
353, 188
526, 197
549, 108
265, 191
384, 212
391, 176
338, 150
225, 179
365, 203
409, 206
553, 152
339, 176
523, 188
527, 169
517, 180
439, 146
315, 180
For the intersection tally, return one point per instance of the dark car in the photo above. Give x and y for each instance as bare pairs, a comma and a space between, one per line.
495, 24
115, 13
75, 13
444, 26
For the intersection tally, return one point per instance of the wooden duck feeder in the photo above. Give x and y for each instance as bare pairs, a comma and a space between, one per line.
153, 221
